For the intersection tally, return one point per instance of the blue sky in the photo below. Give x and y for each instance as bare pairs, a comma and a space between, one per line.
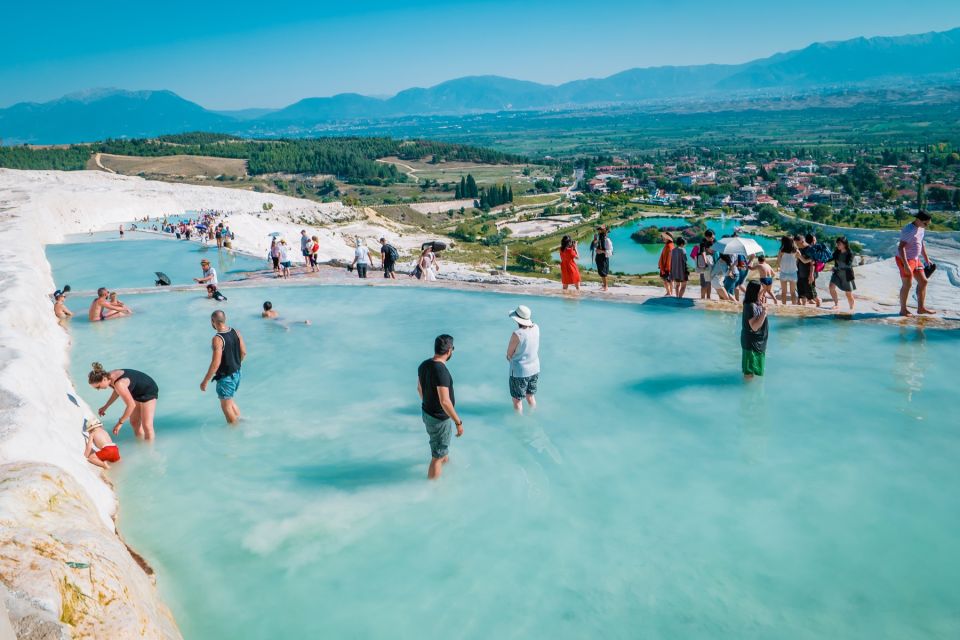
271, 53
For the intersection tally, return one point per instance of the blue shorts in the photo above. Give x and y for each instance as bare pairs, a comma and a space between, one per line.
439, 432
729, 284
227, 387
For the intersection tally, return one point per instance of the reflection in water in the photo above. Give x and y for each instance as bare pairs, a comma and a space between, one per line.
753, 422
910, 360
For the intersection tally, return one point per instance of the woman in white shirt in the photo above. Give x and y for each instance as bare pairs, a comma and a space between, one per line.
523, 354
787, 261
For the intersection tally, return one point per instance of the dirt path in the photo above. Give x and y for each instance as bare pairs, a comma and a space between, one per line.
96, 159
397, 163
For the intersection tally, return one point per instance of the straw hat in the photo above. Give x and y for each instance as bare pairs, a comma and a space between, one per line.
90, 425
522, 315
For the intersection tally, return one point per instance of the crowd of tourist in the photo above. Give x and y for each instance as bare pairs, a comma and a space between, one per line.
725, 269
734, 276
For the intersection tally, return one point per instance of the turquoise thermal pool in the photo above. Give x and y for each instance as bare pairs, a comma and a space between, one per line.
130, 263
652, 495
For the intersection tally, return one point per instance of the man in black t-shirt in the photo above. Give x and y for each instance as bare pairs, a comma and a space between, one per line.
435, 386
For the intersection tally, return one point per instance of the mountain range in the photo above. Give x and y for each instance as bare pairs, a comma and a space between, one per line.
860, 62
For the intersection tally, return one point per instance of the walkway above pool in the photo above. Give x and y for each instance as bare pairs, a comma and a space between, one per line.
868, 309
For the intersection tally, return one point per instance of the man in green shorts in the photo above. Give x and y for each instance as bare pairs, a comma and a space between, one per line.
753, 332
435, 386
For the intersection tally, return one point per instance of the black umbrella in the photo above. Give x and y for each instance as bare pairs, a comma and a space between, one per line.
163, 280
436, 245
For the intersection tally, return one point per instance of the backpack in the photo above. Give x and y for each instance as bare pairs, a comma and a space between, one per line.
820, 255
695, 252
392, 254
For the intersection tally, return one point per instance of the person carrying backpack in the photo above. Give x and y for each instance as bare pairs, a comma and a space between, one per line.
389, 256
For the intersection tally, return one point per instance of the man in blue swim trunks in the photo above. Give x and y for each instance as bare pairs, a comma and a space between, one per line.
228, 352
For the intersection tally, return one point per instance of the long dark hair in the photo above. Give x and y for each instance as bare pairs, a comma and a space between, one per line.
752, 296
565, 242
787, 245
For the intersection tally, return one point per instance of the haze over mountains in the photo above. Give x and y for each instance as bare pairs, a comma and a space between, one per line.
861, 62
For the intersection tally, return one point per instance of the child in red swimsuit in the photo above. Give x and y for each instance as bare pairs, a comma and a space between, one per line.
100, 449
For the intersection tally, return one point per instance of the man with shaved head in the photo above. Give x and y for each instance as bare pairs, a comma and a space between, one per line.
228, 352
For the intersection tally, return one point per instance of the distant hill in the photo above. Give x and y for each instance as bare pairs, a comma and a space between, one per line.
105, 113
861, 62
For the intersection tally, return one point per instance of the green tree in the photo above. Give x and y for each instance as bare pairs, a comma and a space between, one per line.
471, 187
820, 212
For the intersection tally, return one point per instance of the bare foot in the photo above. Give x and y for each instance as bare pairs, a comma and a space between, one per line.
905, 312
925, 311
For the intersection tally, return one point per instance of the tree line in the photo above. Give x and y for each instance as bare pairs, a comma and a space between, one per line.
351, 159
60, 159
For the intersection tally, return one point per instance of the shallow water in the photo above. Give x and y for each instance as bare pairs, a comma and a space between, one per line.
106, 261
652, 495
632, 257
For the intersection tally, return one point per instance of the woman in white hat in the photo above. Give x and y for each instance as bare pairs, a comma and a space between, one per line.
523, 354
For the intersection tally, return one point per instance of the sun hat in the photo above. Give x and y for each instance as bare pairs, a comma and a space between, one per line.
522, 315
90, 425
204, 261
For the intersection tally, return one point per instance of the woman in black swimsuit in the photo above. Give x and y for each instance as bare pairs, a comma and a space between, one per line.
137, 390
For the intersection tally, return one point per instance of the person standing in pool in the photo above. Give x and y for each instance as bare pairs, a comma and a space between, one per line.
121, 232
753, 332
435, 387
102, 309
229, 351
602, 255
523, 354
209, 274
138, 391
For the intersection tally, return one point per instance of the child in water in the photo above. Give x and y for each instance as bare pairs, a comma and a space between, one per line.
213, 292
100, 449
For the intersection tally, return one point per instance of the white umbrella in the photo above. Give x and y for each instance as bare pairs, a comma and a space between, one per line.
740, 246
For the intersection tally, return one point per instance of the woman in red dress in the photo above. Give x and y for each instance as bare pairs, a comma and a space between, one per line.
569, 273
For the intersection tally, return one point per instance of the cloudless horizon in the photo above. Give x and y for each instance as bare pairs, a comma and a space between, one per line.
244, 54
